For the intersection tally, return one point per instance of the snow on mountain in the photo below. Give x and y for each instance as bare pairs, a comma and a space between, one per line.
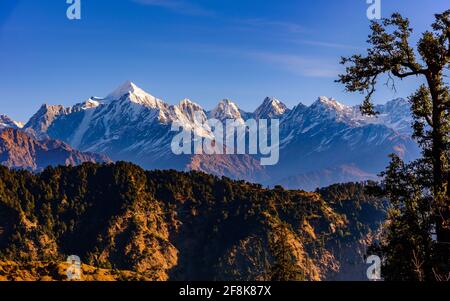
329, 108
270, 108
40, 122
90, 104
132, 125
189, 110
136, 94
128, 124
303, 119
328, 134
7, 122
226, 109
396, 114
330, 104
191, 116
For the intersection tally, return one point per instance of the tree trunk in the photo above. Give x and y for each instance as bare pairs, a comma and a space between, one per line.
439, 158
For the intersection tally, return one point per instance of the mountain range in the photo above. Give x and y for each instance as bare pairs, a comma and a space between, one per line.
320, 144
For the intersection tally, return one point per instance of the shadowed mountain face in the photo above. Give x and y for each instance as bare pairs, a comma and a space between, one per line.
21, 150
319, 144
324, 177
7, 122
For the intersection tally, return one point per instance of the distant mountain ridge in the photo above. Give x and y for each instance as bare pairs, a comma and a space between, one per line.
132, 125
338, 143
21, 150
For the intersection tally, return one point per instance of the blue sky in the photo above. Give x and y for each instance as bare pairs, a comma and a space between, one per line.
205, 50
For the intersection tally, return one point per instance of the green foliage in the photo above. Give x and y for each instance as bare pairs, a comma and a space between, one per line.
75, 209
285, 267
419, 192
407, 247
120, 216
364, 212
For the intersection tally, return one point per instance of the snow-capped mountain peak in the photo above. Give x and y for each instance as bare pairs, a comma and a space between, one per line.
271, 107
398, 105
125, 88
7, 122
330, 103
91, 103
188, 111
395, 114
325, 108
40, 122
133, 93
296, 114
226, 109
187, 104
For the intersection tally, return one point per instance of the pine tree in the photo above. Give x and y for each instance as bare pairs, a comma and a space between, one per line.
391, 53
285, 267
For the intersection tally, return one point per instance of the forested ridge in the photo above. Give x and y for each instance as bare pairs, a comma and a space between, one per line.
128, 223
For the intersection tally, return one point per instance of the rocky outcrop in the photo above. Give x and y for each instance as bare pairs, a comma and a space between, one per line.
21, 150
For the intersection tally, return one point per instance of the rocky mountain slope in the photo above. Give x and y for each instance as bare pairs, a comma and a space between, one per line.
270, 108
166, 225
21, 150
7, 122
337, 144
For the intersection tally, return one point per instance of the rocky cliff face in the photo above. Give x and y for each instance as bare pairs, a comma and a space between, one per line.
20, 150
